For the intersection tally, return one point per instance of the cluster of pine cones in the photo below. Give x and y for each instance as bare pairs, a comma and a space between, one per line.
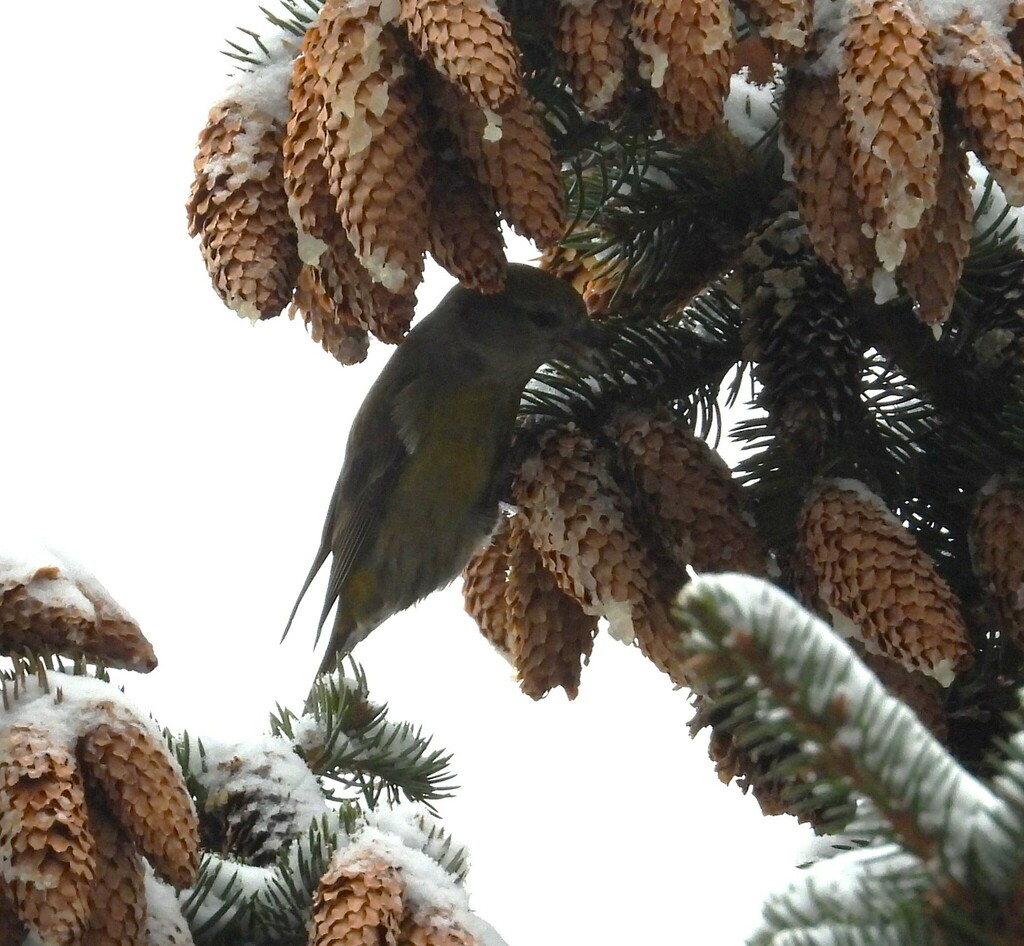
606, 525
400, 127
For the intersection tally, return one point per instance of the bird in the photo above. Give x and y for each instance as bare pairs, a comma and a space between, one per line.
429, 451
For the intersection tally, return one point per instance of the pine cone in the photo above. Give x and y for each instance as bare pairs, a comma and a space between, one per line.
464, 234
146, 795
921, 693
50, 607
512, 157
306, 181
549, 631
987, 79
889, 91
592, 37
814, 133
239, 210
470, 43
858, 563
578, 518
117, 910
49, 855
433, 928
333, 327
695, 507
596, 280
12, 930
483, 589
997, 550
357, 904
685, 51
939, 246
800, 334
785, 24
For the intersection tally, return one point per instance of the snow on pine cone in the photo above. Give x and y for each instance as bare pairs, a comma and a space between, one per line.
685, 49
145, 793
814, 135
784, 24
997, 550
592, 39
433, 927
47, 852
357, 903
856, 562
376, 153
695, 507
470, 43
117, 908
889, 90
579, 520
239, 210
987, 80
549, 632
50, 605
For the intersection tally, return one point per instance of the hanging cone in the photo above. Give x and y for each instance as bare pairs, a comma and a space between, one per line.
685, 49
921, 693
939, 246
49, 858
470, 43
859, 564
146, 795
357, 903
331, 327
550, 633
117, 911
578, 520
464, 234
238, 209
483, 589
987, 79
50, 608
512, 157
889, 91
813, 132
310, 204
997, 551
592, 37
433, 928
371, 126
784, 24
695, 507
597, 281
757, 765
800, 333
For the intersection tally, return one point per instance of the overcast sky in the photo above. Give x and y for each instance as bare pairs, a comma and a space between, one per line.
187, 457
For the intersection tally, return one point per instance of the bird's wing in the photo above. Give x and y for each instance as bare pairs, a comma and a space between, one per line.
365, 481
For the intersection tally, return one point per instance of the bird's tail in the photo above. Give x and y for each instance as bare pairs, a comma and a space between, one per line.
318, 563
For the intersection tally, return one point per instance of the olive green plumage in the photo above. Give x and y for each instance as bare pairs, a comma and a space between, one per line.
427, 454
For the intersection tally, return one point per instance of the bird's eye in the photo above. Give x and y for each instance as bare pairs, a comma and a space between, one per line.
542, 318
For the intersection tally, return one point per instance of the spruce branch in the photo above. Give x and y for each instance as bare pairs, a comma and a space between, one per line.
740, 627
349, 740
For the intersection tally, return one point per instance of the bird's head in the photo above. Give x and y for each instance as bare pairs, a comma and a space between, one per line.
535, 319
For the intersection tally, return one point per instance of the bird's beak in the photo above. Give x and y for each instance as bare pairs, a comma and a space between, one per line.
583, 348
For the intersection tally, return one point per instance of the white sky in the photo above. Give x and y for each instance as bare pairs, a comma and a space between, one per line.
187, 459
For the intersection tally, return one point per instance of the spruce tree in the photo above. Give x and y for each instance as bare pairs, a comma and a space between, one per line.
802, 211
